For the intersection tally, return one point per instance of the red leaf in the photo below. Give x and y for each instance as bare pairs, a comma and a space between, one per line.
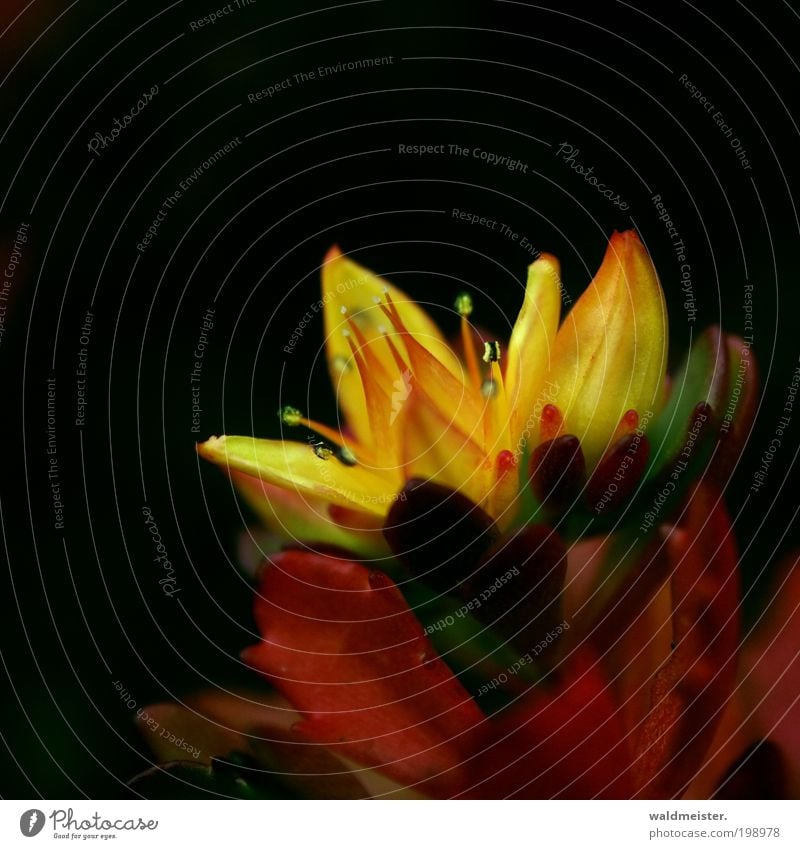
771, 669
341, 644
690, 692
568, 743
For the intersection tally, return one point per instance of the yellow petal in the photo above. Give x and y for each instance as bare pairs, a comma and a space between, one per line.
531, 346
352, 293
296, 467
435, 448
610, 354
296, 516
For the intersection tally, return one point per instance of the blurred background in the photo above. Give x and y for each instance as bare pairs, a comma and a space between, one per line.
234, 166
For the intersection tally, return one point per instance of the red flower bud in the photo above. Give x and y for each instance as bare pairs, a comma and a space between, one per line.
557, 471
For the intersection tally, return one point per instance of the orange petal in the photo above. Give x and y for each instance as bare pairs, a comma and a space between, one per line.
350, 291
297, 467
435, 448
531, 345
296, 516
610, 354
443, 388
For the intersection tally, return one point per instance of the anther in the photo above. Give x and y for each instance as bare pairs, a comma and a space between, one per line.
491, 352
463, 305
290, 416
322, 451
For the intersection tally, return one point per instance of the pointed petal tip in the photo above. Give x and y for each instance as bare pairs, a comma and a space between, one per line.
611, 353
545, 262
212, 449
627, 249
532, 339
625, 236
334, 253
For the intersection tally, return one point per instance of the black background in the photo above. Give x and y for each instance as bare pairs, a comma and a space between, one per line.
319, 164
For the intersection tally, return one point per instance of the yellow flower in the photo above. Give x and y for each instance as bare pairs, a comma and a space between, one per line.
413, 408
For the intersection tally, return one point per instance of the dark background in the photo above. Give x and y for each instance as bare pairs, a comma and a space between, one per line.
82, 607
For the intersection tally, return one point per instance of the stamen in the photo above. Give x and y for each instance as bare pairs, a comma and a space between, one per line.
398, 359
497, 378
368, 353
376, 399
322, 451
496, 418
391, 310
433, 378
463, 306
394, 318
491, 352
292, 417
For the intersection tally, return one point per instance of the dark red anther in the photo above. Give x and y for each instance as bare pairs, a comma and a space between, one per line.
618, 473
557, 471
437, 533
